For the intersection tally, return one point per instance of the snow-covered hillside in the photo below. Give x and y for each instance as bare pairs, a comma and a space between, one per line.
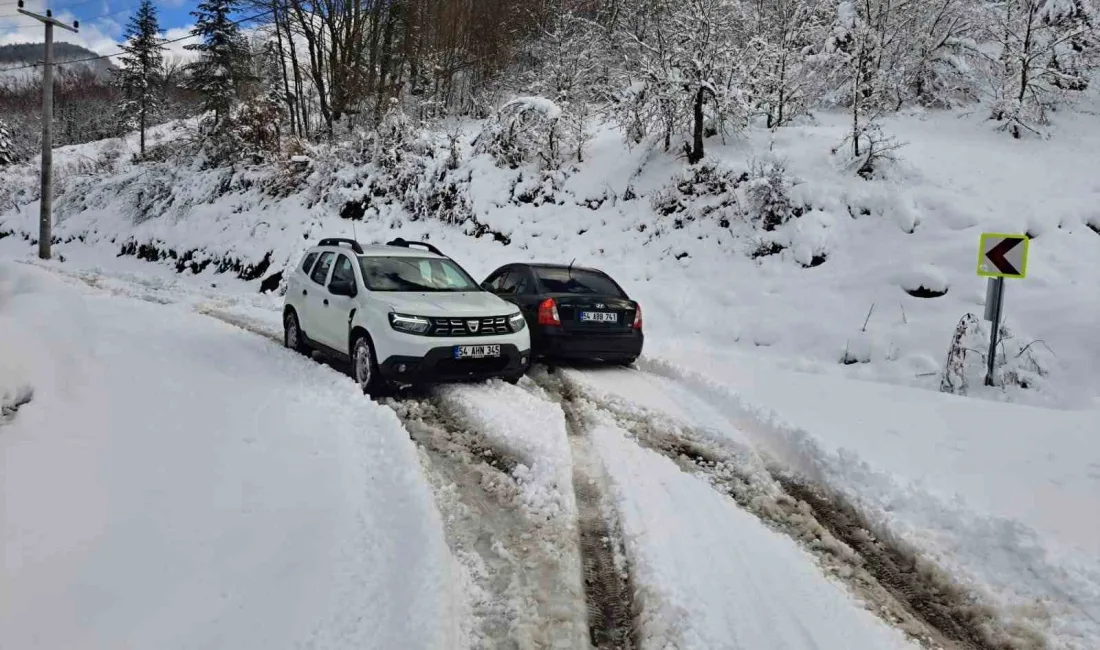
847, 278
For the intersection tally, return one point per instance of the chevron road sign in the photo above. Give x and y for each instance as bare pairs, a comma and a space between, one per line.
1002, 256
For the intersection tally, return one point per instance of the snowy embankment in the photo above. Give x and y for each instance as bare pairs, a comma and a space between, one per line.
999, 495
174, 483
875, 273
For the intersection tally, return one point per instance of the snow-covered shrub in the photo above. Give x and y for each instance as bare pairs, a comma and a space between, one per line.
524, 130
767, 195
1019, 363
870, 150
702, 191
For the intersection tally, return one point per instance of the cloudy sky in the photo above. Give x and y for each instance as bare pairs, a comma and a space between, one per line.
102, 22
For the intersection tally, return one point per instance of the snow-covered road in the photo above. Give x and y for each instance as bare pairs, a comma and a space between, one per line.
173, 477
176, 482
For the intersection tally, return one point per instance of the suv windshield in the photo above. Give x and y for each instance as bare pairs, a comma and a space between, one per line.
414, 274
557, 280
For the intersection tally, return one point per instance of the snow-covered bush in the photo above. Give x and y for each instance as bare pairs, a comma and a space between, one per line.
1018, 364
767, 195
525, 130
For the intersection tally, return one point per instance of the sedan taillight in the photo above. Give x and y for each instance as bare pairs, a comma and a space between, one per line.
637, 317
548, 313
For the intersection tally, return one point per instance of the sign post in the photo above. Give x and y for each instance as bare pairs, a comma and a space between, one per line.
1000, 256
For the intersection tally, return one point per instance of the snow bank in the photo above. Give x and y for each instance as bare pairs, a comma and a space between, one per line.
710, 575
994, 493
286, 511
36, 314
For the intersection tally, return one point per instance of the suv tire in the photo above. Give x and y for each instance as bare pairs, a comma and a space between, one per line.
292, 333
364, 366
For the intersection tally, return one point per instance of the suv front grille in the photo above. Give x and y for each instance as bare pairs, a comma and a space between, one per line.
488, 326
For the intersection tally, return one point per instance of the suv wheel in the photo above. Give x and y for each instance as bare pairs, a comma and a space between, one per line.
363, 366
292, 333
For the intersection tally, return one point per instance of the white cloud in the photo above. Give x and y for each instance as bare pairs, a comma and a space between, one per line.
101, 36
175, 50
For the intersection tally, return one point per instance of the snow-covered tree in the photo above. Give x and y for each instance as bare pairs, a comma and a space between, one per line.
939, 51
222, 67
680, 68
7, 148
866, 76
142, 66
1047, 50
787, 34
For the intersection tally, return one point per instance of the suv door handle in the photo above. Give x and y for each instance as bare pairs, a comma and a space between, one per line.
326, 302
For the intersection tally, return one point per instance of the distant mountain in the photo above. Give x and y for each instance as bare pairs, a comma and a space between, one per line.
20, 54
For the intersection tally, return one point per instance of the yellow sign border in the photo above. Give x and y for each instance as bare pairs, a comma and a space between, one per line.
998, 274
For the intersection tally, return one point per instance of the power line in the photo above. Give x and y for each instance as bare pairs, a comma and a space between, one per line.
108, 56
88, 20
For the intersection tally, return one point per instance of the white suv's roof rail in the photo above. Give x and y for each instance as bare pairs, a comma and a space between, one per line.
408, 244
336, 241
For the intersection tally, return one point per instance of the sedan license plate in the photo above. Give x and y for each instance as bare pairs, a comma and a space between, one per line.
599, 317
476, 351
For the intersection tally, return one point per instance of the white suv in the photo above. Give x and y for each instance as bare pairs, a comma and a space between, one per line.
401, 316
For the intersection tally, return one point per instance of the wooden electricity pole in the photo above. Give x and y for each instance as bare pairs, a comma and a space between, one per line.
45, 230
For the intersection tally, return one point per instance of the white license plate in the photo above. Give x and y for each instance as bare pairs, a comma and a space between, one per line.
476, 351
599, 317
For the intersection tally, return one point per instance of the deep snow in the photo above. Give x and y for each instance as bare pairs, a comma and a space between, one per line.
1000, 495
176, 482
710, 575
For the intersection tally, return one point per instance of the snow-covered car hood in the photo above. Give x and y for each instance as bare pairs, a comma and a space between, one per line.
437, 304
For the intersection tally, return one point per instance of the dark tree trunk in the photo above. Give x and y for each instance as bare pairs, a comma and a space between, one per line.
695, 152
287, 96
141, 119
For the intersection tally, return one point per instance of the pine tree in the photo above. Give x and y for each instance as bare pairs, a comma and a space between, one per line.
142, 68
221, 69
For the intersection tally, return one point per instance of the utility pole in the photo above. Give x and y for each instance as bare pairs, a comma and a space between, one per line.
45, 230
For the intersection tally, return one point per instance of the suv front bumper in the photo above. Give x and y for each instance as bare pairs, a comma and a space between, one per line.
439, 365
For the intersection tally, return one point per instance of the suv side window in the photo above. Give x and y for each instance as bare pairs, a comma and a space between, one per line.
343, 271
307, 263
320, 272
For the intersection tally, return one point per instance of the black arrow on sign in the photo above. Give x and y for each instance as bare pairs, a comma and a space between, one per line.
997, 256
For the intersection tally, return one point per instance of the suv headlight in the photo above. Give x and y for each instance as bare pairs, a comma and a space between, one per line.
516, 322
410, 324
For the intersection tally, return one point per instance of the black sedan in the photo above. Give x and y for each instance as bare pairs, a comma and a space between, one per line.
574, 313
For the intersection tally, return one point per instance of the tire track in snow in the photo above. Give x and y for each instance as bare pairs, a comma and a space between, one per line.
903, 589
608, 584
520, 579
608, 588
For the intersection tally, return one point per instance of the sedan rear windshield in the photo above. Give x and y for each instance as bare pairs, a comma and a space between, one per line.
414, 274
577, 281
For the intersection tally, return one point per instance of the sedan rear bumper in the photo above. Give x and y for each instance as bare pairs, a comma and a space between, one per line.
554, 342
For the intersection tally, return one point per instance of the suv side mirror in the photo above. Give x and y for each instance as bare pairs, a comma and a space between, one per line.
342, 288
487, 286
